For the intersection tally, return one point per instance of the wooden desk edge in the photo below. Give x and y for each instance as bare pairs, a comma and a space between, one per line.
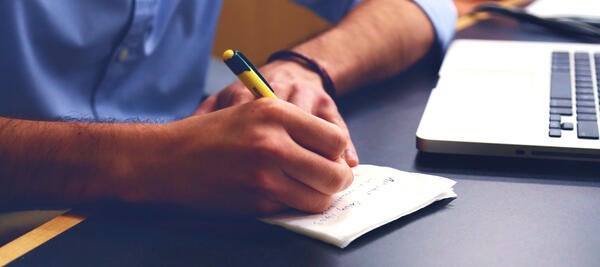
36, 237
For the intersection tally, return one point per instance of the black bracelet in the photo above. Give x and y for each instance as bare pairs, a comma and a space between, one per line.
308, 63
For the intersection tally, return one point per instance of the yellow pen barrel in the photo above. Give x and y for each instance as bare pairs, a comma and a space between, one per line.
258, 88
247, 73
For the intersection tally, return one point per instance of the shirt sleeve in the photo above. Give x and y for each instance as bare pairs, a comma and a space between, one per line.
442, 15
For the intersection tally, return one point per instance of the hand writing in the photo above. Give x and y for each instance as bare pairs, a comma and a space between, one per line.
294, 84
257, 157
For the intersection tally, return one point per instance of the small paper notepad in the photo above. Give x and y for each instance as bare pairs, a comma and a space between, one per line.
377, 196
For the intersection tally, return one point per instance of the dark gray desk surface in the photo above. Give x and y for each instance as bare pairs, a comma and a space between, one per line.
509, 212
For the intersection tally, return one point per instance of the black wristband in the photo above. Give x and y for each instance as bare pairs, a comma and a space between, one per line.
310, 64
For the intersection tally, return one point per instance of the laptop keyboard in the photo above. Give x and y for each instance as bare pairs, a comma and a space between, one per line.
579, 71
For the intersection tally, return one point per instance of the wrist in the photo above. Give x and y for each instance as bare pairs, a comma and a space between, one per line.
138, 149
309, 64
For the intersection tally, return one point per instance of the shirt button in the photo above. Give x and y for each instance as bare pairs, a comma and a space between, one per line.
123, 54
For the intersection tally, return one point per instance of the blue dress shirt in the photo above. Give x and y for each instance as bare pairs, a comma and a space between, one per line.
123, 60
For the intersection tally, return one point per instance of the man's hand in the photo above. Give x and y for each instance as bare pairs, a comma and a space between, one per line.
295, 84
253, 158
258, 157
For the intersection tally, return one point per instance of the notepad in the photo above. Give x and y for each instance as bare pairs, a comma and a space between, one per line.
377, 196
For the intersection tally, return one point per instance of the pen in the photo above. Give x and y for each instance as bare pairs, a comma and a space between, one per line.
248, 74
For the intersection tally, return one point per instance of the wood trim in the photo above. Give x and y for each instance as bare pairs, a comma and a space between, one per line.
261, 27
36, 237
469, 20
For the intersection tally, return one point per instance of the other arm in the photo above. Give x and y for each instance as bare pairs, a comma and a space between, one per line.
378, 39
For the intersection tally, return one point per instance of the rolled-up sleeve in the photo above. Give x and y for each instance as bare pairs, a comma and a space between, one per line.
442, 15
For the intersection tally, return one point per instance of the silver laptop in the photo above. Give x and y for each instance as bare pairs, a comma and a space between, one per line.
516, 99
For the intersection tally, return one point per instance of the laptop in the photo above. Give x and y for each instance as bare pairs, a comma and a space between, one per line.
515, 99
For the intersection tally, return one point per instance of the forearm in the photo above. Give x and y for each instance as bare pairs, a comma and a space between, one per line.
258, 157
65, 162
378, 39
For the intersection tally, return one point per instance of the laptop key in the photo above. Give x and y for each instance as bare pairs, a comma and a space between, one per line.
561, 68
585, 104
560, 85
584, 91
582, 66
581, 110
554, 117
554, 133
584, 84
560, 103
566, 126
586, 117
582, 76
584, 97
561, 111
587, 130
554, 125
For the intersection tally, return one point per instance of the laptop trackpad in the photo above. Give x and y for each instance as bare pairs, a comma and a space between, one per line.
488, 104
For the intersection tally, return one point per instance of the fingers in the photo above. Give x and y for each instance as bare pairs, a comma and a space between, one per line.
322, 107
234, 94
305, 98
332, 115
301, 151
300, 97
309, 131
321, 174
208, 105
231, 95
325, 108
279, 187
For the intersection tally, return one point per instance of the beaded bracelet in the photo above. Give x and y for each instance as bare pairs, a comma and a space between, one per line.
309, 63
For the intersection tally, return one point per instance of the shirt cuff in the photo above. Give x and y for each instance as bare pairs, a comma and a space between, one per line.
442, 14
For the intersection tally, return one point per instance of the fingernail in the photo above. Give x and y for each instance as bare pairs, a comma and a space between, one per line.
351, 157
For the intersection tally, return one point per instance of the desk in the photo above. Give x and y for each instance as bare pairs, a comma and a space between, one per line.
509, 212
